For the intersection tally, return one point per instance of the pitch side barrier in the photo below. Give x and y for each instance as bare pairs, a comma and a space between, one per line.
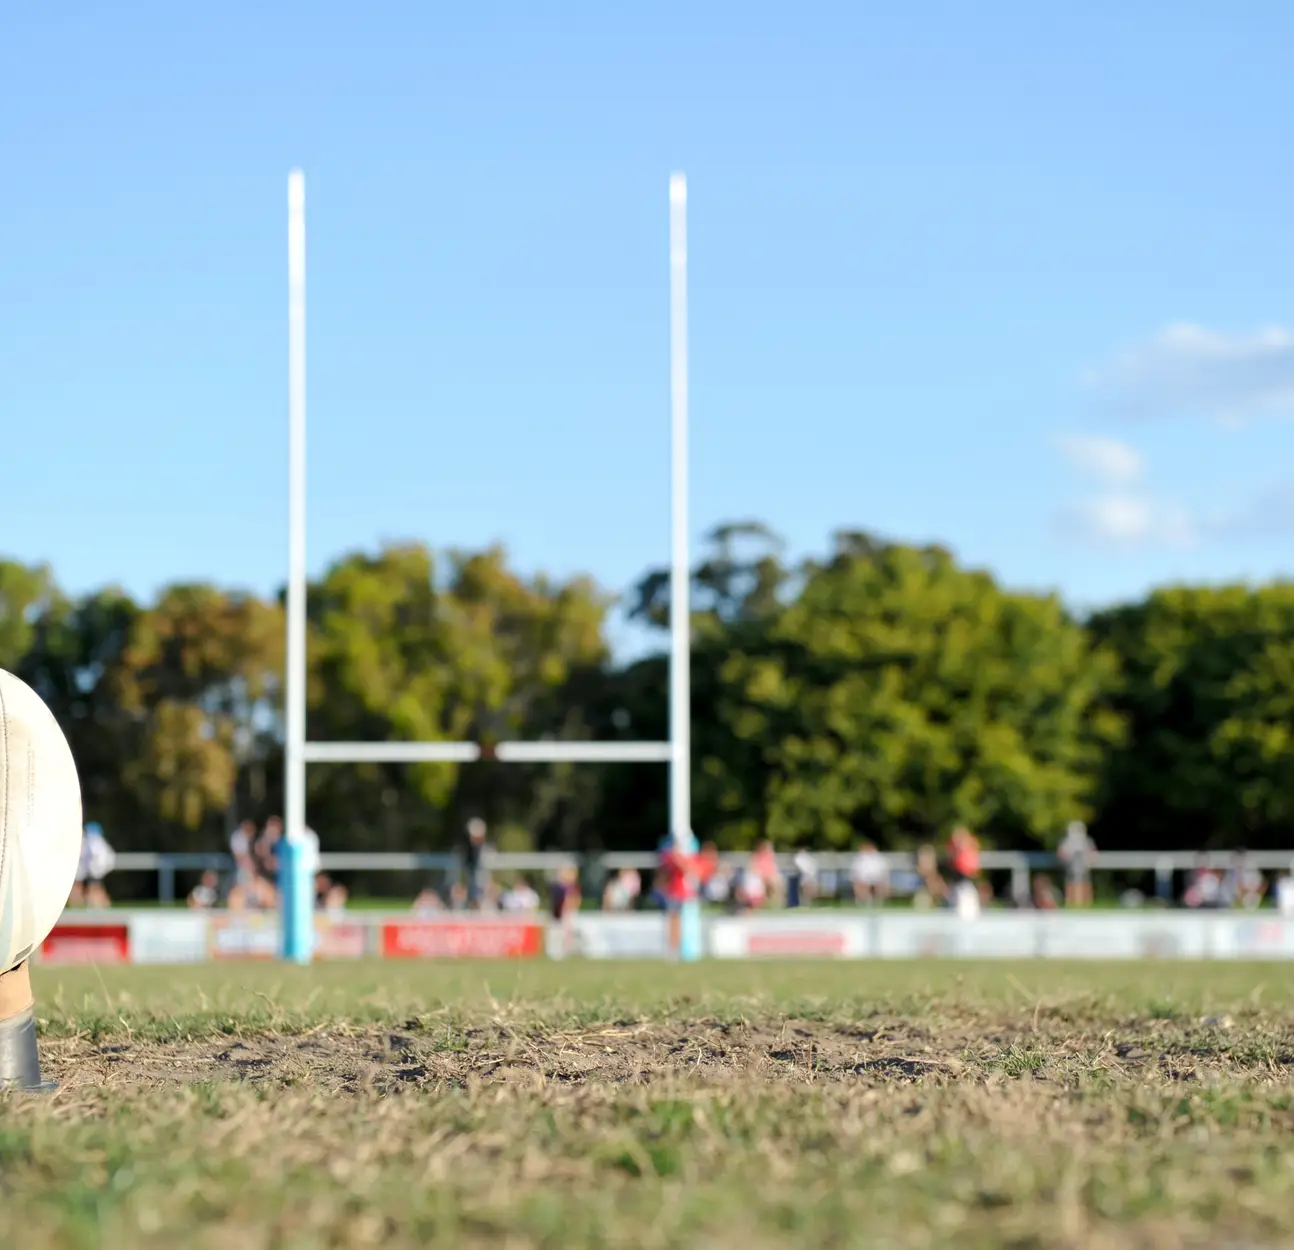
1164, 867
123, 936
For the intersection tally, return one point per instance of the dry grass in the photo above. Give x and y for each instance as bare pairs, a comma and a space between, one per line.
574, 1106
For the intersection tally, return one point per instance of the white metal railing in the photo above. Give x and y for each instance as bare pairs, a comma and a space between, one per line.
1021, 864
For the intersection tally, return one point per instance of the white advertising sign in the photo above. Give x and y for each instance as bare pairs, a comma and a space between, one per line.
168, 937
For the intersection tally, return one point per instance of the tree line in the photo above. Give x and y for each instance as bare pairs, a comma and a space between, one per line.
880, 690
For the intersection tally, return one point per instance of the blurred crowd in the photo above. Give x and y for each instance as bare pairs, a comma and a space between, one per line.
253, 884
948, 876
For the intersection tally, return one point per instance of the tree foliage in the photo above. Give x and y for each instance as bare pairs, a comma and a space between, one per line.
883, 691
1208, 693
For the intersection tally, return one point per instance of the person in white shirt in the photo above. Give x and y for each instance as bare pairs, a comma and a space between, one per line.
622, 890
870, 875
1077, 852
803, 886
96, 862
521, 896
1285, 896
206, 894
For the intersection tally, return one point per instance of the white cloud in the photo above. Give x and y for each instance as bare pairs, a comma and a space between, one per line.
1121, 514
1111, 461
1186, 370
1127, 519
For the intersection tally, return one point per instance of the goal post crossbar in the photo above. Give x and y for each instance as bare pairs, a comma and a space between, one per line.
553, 752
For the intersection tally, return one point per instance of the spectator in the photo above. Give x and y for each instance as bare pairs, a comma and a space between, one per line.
963, 855
748, 889
622, 890
428, 903
475, 854
564, 902
246, 889
762, 881
802, 884
1244, 885
713, 876
933, 891
96, 862
676, 884
1285, 896
330, 896
520, 896
265, 849
206, 894
1077, 853
1044, 893
870, 875
1205, 886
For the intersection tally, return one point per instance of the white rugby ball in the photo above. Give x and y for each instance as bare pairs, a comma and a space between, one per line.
40, 821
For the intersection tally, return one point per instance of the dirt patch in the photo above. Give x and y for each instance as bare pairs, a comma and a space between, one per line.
712, 1051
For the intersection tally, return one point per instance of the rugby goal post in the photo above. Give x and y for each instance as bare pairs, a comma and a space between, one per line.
676, 752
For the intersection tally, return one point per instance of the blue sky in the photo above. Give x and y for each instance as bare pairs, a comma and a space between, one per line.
1007, 276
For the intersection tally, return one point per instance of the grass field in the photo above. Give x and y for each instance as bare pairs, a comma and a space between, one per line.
575, 1106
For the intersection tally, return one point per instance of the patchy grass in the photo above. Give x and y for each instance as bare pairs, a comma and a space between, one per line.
717, 1105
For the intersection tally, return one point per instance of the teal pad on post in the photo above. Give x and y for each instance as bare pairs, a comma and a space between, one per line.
689, 931
296, 900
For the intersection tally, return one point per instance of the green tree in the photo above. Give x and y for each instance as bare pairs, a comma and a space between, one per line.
75, 660
25, 593
477, 654
1208, 694
887, 692
200, 681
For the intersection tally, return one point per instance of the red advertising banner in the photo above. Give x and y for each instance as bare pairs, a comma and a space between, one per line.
471, 939
87, 944
763, 943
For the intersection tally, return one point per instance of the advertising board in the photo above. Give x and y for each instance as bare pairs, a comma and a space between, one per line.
87, 944
916, 935
602, 936
998, 935
1253, 937
162, 937
340, 939
1093, 936
244, 935
462, 939
788, 937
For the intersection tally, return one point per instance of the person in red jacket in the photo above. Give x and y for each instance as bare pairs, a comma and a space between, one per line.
677, 885
963, 855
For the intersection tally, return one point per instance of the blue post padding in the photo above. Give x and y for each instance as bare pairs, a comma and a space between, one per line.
296, 901
689, 931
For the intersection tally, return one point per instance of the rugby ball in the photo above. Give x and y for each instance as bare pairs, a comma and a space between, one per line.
40, 821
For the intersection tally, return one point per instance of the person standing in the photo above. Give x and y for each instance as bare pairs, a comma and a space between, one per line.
869, 875
963, 859
475, 854
97, 861
563, 904
245, 890
1077, 853
677, 886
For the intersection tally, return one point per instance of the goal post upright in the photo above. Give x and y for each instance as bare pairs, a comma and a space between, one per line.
680, 613
298, 929
298, 932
